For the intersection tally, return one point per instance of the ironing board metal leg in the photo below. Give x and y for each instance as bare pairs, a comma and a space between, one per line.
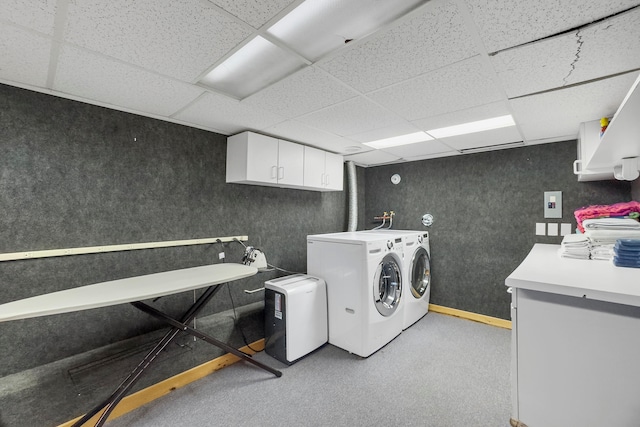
196, 333
112, 401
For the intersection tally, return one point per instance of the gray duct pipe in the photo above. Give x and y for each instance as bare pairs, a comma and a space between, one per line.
353, 196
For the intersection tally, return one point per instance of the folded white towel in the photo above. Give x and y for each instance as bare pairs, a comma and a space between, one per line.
603, 252
611, 224
575, 246
570, 239
610, 236
563, 255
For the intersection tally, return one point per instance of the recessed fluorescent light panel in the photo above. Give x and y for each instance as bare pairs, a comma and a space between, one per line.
255, 66
473, 127
492, 147
410, 138
318, 27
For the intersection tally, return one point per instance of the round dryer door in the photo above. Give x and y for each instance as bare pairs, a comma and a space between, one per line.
420, 272
387, 286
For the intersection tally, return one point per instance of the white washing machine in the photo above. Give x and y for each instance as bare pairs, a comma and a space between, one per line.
417, 272
363, 274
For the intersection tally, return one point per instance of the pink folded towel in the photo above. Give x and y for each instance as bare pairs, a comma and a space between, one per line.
605, 211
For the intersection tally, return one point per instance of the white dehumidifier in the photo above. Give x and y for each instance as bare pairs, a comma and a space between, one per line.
295, 316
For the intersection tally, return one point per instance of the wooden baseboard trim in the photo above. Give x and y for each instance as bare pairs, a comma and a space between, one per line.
493, 321
165, 387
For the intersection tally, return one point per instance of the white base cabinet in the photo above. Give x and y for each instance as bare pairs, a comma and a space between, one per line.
575, 342
263, 160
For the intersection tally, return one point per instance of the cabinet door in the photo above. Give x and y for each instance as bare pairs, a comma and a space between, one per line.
334, 172
577, 361
290, 163
262, 158
314, 168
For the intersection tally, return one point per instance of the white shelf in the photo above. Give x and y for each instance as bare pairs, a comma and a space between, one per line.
622, 137
115, 248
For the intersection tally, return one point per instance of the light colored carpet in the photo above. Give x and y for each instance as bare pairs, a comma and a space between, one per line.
441, 372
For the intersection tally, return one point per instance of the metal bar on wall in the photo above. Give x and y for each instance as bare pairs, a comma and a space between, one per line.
115, 248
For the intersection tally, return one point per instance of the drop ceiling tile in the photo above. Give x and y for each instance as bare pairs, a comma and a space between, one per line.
425, 148
372, 158
293, 130
25, 56
180, 39
481, 112
484, 139
536, 67
253, 12
302, 92
22, 12
101, 79
434, 38
507, 23
226, 115
538, 115
603, 49
462, 85
609, 47
353, 116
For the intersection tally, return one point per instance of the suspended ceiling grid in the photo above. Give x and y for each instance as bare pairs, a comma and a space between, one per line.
551, 64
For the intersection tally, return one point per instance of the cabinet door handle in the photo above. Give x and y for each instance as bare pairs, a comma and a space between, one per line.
274, 172
281, 172
575, 166
326, 179
322, 179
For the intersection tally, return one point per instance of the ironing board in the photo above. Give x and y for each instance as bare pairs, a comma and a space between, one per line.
133, 290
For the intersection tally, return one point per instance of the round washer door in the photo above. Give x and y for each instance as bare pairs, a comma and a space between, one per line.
387, 286
420, 272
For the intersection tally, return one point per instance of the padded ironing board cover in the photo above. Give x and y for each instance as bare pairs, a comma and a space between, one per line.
124, 290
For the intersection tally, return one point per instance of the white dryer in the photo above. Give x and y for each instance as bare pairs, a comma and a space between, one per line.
417, 272
363, 275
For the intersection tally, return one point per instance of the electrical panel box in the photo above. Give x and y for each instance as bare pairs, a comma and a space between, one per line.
553, 204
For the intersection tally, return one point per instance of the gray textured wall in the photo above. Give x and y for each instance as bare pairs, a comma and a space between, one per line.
73, 175
635, 190
485, 207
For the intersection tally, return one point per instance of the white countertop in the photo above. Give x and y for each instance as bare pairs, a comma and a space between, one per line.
545, 270
124, 290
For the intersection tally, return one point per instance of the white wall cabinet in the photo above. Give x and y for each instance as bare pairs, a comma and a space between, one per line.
575, 342
263, 160
323, 171
588, 141
619, 147
252, 158
290, 171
